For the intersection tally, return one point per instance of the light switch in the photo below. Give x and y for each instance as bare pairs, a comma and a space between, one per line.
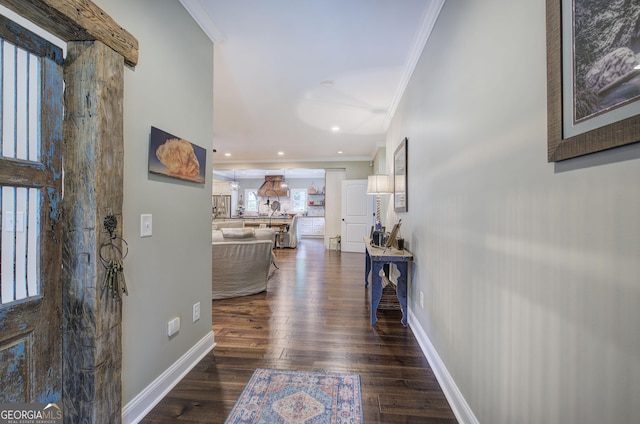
9, 221
173, 326
146, 225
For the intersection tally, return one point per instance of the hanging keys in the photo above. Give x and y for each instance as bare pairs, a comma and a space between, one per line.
114, 278
112, 254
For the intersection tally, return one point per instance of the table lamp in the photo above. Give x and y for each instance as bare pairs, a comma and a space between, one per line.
378, 184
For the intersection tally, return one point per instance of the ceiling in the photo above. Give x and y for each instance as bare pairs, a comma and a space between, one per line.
313, 80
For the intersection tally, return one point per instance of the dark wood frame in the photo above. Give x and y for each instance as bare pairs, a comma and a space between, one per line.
400, 154
559, 148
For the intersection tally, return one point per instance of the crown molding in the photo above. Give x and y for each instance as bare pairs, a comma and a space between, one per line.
203, 19
424, 32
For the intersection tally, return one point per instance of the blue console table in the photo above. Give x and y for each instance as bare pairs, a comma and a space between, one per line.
376, 258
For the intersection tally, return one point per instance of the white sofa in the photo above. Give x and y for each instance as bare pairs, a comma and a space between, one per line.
242, 259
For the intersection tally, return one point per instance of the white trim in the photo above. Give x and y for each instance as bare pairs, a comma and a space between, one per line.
424, 32
203, 19
458, 404
140, 405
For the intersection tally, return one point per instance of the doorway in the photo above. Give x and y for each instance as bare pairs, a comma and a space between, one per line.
357, 215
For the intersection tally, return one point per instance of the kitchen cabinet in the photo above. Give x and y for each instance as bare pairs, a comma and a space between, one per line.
311, 226
221, 188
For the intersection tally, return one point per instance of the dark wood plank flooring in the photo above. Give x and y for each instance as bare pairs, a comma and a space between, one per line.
314, 316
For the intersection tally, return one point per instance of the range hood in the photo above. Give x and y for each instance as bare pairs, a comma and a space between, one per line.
271, 187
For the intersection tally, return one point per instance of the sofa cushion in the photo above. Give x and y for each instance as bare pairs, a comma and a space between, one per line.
237, 232
265, 234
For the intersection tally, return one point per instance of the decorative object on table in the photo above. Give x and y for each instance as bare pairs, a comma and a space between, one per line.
378, 184
112, 252
400, 185
175, 157
394, 233
593, 77
379, 238
274, 396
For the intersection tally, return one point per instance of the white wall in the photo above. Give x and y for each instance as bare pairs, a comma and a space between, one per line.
530, 270
171, 88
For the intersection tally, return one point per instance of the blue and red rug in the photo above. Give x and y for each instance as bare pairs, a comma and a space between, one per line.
297, 397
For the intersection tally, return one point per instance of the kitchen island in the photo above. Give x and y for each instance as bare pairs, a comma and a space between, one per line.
279, 222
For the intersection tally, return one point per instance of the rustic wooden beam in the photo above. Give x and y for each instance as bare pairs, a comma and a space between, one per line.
78, 20
93, 185
21, 173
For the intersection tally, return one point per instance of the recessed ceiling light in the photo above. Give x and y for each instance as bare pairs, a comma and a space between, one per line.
227, 154
339, 152
328, 83
335, 128
280, 153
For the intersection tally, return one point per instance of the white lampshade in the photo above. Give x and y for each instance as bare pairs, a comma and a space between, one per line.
378, 184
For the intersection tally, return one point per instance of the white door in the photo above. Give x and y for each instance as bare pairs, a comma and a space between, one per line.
357, 215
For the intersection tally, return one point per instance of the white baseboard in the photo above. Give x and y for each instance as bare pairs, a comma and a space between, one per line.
458, 404
140, 405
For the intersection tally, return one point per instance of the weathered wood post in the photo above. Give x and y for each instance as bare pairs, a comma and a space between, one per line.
93, 184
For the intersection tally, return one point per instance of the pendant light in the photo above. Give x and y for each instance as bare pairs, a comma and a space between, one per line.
233, 185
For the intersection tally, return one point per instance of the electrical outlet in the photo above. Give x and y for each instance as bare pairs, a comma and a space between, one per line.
173, 326
421, 299
196, 311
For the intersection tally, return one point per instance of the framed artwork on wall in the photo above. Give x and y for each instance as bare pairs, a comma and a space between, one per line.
175, 157
593, 77
400, 185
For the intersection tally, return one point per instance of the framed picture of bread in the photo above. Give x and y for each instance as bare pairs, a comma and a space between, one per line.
175, 157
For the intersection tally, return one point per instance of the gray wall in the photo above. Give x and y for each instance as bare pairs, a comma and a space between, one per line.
530, 270
171, 88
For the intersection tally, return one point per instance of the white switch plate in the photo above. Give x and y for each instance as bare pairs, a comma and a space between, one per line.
173, 326
196, 311
146, 225
9, 221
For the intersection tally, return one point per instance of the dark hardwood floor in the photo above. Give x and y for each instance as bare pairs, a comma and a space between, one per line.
314, 316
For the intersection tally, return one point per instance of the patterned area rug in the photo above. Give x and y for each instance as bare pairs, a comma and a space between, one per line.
297, 397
